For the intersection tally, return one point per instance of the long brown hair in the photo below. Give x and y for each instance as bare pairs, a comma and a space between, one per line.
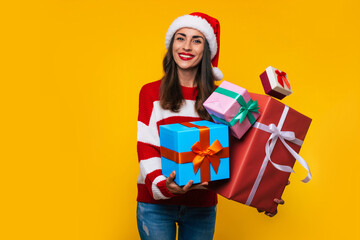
171, 97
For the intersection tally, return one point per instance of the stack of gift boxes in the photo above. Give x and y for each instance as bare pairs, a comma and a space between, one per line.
254, 161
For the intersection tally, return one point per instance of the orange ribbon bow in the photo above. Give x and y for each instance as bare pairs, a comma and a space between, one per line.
281, 77
206, 156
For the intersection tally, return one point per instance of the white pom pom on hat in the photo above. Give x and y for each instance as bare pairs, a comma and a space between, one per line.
208, 26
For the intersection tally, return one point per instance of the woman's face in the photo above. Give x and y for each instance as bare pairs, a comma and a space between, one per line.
188, 48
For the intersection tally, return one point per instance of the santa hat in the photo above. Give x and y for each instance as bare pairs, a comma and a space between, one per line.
208, 26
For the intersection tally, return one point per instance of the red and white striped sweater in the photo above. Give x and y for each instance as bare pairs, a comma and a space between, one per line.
151, 182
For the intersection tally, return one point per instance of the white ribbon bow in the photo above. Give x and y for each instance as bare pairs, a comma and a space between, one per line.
290, 136
276, 134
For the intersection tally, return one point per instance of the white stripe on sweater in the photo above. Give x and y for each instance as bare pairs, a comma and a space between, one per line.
147, 166
187, 110
156, 191
148, 134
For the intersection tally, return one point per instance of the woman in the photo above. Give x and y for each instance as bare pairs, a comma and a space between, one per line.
192, 42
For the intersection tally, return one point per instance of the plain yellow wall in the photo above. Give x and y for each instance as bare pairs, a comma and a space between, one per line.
71, 71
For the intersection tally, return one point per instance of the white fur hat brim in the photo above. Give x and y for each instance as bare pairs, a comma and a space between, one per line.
218, 75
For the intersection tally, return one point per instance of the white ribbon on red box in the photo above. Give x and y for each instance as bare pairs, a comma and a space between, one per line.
276, 134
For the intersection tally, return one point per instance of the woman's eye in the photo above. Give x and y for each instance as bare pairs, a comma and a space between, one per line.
197, 41
180, 38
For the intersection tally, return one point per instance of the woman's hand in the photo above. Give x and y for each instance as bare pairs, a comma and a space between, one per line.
277, 201
176, 189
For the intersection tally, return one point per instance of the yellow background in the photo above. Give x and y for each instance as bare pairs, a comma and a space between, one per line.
71, 72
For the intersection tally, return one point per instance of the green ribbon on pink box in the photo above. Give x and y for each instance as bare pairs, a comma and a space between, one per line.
246, 110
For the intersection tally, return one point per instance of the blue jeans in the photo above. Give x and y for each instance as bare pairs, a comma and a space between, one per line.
158, 222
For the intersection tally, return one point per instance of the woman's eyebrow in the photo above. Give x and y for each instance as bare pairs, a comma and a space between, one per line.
196, 36
182, 34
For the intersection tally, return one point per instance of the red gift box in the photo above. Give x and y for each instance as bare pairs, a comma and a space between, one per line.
261, 162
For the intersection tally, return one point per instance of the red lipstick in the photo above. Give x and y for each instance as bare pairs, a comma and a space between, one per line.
187, 58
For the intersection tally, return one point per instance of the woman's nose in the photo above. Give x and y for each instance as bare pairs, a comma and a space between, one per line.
187, 45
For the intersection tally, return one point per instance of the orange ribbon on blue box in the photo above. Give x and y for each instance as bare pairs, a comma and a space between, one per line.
202, 155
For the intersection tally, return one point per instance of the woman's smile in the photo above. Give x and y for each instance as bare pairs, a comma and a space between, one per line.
186, 56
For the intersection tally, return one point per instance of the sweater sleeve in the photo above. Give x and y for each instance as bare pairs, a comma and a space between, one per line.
148, 148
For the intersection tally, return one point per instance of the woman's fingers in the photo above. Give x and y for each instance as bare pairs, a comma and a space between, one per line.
268, 213
171, 185
187, 186
203, 184
199, 186
171, 177
174, 188
271, 214
279, 201
170, 180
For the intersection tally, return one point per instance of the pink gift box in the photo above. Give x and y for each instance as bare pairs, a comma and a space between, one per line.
275, 83
232, 105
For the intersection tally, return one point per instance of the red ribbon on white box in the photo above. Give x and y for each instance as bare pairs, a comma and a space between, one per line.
276, 134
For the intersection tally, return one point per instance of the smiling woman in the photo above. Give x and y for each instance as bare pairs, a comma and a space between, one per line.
190, 70
192, 48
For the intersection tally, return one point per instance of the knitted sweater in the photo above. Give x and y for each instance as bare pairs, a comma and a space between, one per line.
151, 183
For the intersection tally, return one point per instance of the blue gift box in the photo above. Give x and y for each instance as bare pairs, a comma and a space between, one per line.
197, 151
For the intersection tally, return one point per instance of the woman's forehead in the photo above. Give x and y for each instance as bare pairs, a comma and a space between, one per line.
190, 32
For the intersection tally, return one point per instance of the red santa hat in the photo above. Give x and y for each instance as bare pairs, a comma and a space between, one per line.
208, 26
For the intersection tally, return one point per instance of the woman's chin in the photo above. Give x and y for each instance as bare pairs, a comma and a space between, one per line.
187, 68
